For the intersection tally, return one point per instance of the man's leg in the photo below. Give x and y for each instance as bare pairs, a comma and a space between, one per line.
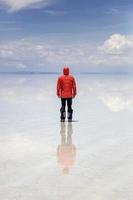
62, 110
69, 110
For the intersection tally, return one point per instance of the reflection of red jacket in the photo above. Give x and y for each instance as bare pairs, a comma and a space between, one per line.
66, 155
66, 85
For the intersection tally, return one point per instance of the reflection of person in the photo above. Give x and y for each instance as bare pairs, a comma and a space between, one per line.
66, 90
66, 151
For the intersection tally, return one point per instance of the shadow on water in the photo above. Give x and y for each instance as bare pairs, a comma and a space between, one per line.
66, 151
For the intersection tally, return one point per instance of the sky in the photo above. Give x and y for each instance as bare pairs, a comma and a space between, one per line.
86, 35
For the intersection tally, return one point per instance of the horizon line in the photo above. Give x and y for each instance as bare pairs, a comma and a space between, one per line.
53, 73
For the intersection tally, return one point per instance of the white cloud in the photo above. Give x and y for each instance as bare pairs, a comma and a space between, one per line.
21, 66
113, 11
117, 44
16, 5
44, 52
23, 90
114, 92
55, 12
117, 103
115, 51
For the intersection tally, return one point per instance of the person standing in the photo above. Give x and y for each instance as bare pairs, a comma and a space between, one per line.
66, 90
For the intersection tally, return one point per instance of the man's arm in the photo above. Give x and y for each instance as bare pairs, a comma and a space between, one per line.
74, 88
58, 87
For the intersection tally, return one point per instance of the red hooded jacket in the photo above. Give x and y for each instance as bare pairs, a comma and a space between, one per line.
66, 85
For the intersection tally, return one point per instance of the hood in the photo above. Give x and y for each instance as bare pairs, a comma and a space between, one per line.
66, 71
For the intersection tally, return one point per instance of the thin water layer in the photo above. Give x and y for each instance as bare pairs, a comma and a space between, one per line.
42, 158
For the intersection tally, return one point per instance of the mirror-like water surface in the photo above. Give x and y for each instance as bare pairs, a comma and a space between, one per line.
41, 158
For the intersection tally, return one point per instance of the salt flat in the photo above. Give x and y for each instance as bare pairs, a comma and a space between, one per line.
43, 159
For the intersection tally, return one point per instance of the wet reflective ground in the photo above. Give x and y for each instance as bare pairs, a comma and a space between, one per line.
44, 159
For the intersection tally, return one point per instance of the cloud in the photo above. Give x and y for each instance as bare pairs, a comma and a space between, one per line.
113, 11
25, 90
21, 66
115, 52
117, 44
117, 97
114, 92
119, 12
44, 52
16, 5
10, 26
117, 103
56, 12
5, 29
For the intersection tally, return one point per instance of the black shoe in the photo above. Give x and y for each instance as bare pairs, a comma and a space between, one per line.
69, 116
63, 115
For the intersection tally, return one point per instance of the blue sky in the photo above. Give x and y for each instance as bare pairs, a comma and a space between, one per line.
87, 35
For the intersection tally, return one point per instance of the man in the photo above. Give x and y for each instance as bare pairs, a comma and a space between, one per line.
66, 90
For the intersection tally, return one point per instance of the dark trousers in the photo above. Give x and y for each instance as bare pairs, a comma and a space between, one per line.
69, 107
